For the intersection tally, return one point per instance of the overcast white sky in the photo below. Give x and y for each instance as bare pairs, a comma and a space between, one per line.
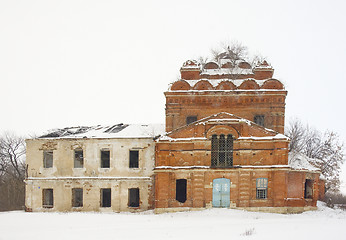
71, 63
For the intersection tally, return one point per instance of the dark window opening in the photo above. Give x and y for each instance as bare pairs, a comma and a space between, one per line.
78, 158
77, 197
259, 119
308, 192
47, 198
222, 151
191, 119
134, 197
261, 188
134, 158
48, 158
106, 197
180, 192
105, 158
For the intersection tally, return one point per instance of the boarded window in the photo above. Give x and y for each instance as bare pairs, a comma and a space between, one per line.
259, 119
48, 158
261, 188
106, 197
77, 197
78, 158
191, 119
105, 159
133, 197
222, 151
134, 154
308, 192
180, 192
47, 198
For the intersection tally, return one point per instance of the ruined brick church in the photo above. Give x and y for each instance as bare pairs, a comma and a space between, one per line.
223, 145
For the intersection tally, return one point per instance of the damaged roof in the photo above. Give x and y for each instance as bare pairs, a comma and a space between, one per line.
110, 131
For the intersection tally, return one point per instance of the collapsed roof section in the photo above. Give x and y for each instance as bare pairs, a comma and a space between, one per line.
108, 131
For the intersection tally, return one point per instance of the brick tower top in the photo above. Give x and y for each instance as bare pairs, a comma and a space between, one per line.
226, 85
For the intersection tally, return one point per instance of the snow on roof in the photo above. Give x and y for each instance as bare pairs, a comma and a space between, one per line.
216, 82
111, 131
300, 161
224, 71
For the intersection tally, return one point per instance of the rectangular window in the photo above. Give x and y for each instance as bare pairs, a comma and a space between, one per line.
180, 190
47, 198
105, 159
191, 119
106, 197
77, 197
259, 119
134, 158
133, 197
78, 158
261, 188
48, 158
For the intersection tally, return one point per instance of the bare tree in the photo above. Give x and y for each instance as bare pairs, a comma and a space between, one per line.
324, 150
12, 172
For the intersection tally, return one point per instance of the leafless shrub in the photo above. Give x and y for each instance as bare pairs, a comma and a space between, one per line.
248, 232
325, 150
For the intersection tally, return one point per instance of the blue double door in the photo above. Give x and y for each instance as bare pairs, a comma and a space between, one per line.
221, 192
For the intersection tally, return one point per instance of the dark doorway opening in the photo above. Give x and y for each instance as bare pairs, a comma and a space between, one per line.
180, 194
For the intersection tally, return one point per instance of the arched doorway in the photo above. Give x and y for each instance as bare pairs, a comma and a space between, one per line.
221, 192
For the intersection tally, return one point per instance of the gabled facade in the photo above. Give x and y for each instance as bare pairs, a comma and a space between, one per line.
227, 161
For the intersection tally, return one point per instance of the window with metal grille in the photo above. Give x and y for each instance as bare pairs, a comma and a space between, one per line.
77, 197
133, 197
78, 158
48, 158
47, 198
191, 119
106, 197
261, 188
259, 119
134, 154
222, 151
105, 159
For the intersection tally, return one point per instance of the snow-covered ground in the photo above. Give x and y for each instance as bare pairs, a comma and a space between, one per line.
213, 224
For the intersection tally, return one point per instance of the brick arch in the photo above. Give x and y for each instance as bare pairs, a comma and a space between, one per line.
224, 129
244, 65
180, 85
272, 84
211, 65
226, 85
227, 65
203, 85
249, 84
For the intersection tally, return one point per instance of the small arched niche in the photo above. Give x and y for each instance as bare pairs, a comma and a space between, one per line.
180, 85
203, 85
272, 84
222, 130
244, 65
226, 85
211, 65
248, 85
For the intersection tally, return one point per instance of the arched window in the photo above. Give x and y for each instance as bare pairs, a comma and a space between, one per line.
222, 150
